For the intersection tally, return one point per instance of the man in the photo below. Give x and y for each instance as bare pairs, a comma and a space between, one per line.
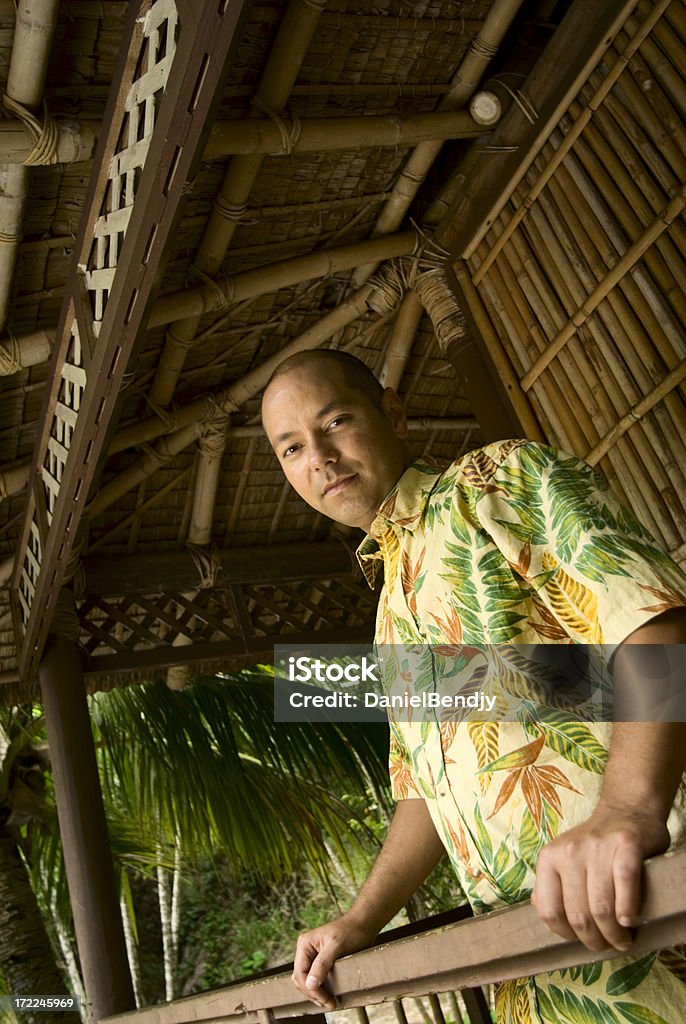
513, 543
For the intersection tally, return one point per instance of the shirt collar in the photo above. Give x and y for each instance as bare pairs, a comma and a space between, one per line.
401, 510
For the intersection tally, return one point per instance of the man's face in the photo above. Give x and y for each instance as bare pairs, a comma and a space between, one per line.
339, 451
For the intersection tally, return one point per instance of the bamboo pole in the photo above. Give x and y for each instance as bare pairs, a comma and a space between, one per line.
14, 480
35, 25
652, 107
645, 366
630, 192
507, 377
527, 339
582, 371
465, 81
231, 138
74, 141
285, 59
401, 340
611, 357
154, 498
194, 302
236, 394
211, 446
664, 59
18, 353
672, 210
153, 459
575, 131
597, 199
637, 412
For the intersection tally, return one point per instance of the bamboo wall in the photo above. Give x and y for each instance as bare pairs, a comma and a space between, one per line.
583, 272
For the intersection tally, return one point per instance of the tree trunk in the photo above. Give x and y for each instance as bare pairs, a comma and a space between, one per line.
27, 959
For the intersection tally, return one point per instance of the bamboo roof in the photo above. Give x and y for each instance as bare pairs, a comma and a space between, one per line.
388, 61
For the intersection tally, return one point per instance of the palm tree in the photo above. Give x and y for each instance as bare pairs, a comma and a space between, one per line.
27, 958
191, 770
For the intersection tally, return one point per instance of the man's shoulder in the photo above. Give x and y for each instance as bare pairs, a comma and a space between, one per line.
485, 461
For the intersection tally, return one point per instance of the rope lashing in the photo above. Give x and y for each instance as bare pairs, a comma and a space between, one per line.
45, 133
220, 297
230, 211
158, 456
212, 441
389, 285
437, 298
167, 416
208, 563
289, 139
10, 356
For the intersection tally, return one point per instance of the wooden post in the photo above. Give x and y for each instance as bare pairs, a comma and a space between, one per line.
87, 855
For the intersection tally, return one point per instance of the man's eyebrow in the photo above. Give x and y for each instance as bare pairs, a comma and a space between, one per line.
280, 438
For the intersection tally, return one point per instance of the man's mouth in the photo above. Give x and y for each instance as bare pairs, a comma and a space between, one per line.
337, 485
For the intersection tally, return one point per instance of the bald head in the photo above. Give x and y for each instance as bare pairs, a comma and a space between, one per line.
338, 435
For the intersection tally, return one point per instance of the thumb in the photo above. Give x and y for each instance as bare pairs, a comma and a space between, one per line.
319, 969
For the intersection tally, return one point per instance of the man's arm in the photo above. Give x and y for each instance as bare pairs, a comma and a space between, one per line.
411, 851
588, 880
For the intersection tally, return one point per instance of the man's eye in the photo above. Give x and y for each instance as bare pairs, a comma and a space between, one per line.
291, 448
336, 420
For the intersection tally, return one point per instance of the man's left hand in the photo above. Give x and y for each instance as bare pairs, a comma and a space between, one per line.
588, 880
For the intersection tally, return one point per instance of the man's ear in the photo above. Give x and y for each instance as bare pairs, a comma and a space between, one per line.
393, 408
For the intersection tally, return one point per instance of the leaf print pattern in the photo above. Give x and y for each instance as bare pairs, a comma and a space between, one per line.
484, 736
575, 605
517, 544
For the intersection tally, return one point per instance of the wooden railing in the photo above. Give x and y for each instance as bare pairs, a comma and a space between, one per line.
462, 955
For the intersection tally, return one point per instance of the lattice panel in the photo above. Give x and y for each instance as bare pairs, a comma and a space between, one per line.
30, 569
112, 625
308, 605
142, 103
64, 420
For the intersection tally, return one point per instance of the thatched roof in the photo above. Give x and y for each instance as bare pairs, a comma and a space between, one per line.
386, 60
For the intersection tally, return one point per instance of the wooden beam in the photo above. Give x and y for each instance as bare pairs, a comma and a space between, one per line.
169, 572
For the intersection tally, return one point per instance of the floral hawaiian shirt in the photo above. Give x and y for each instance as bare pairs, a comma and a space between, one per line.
513, 544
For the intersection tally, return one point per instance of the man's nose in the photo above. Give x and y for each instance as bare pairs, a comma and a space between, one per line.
322, 452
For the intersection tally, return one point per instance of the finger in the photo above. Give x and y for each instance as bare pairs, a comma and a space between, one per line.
307, 977
574, 884
627, 870
314, 982
547, 897
602, 901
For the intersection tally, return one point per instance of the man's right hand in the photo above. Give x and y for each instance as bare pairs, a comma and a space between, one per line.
318, 950
411, 850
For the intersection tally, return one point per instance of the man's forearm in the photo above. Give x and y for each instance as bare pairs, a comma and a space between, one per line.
647, 756
411, 851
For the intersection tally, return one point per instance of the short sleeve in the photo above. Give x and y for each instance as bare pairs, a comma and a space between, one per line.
598, 571
400, 768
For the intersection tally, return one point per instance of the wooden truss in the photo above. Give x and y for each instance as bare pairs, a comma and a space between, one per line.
157, 126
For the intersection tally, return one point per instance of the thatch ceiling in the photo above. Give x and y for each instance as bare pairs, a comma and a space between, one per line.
388, 58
